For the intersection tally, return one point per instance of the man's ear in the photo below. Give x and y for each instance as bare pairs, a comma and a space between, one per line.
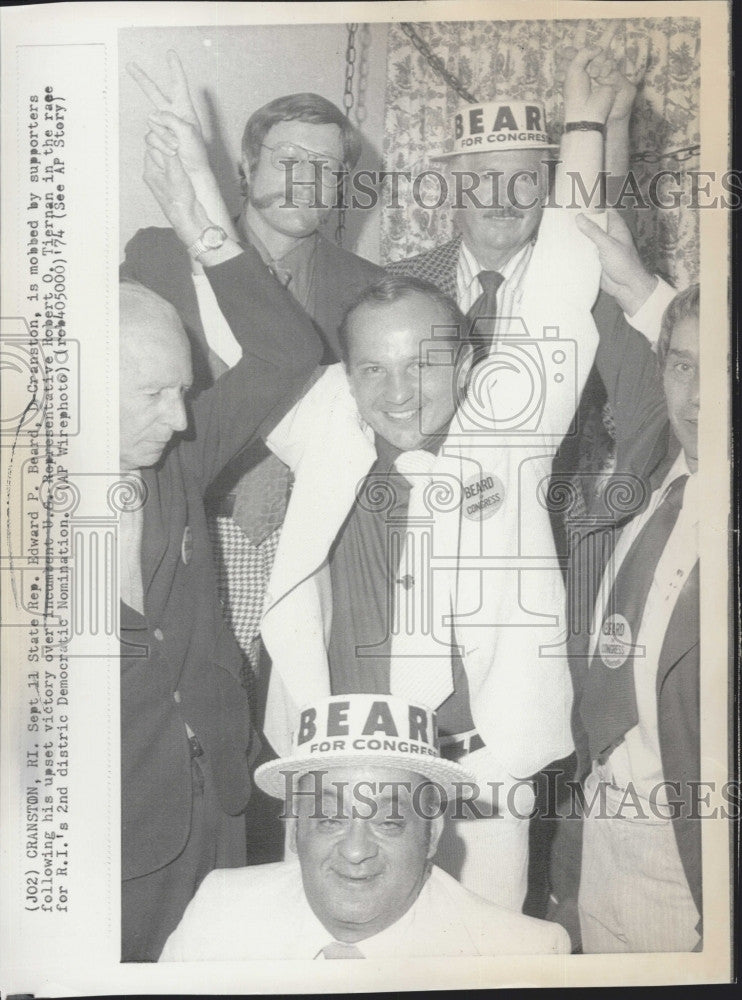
293, 823
436, 829
243, 169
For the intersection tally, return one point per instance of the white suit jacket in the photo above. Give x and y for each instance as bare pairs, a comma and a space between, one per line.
261, 912
495, 577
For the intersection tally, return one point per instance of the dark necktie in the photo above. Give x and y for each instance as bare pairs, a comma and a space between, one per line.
608, 707
338, 949
484, 308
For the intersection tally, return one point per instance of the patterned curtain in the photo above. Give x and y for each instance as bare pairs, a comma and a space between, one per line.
524, 60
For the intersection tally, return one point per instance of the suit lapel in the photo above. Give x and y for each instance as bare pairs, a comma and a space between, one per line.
683, 629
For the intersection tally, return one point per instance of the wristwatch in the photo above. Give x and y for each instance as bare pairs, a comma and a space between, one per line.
210, 239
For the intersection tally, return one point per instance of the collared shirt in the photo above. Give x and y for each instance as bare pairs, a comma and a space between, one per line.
647, 319
469, 287
637, 759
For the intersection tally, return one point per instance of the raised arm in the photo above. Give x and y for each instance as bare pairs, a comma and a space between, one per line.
280, 347
175, 129
629, 325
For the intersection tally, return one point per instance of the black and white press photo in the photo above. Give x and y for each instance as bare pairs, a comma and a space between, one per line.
395, 558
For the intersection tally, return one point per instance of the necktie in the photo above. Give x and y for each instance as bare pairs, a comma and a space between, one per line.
338, 949
417, 674
608, 707
485, 307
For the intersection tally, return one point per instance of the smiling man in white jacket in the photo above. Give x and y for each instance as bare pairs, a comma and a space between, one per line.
447, 589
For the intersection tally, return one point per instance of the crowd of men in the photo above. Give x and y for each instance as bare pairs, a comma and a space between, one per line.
345, 565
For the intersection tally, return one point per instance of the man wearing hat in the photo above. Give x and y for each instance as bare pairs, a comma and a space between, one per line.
503, 162
363, 790
381, 585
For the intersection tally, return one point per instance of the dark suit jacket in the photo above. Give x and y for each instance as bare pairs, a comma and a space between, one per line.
156, 258
186, 666
645, 451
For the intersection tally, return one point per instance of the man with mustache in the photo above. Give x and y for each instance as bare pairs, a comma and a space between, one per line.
354, 603
295, 151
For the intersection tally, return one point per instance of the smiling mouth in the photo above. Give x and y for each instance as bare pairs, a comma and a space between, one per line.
356, 879
401, 415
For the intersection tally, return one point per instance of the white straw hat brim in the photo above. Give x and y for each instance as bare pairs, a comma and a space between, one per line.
278, 776
537, 147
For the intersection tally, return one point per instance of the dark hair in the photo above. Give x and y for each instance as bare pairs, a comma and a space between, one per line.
303, 108
393, 287
686, 303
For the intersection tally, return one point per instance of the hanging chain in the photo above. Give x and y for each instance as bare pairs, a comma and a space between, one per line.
348, 102
685, 153
436, 63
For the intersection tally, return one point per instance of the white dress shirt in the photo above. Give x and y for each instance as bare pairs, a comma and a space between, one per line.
469, 287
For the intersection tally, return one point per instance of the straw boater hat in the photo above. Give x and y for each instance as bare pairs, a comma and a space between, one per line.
496, 126
363, 730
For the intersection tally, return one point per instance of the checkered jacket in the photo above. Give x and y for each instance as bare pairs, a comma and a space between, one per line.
438, 266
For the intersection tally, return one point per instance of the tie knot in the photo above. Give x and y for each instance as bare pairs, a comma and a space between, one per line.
413, 464
338, 949
490, 281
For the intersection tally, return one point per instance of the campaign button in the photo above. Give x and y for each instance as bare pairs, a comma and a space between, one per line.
615, 641
483, 495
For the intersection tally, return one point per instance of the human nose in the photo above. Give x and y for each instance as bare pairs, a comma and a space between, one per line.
175, 412
694, 391
399, 387
358, 844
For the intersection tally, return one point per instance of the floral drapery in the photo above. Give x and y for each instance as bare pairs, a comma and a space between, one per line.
525, 60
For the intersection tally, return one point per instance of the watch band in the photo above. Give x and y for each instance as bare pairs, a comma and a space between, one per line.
203, 244
584, 127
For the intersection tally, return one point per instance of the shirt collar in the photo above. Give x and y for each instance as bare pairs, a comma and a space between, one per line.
469, 266
680, 468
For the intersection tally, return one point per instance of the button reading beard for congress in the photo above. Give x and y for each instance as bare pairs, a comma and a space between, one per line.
615, 642
484, 494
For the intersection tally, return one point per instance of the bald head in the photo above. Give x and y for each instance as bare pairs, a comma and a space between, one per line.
144, 316
154, 374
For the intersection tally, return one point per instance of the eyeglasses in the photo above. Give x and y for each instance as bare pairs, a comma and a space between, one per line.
286, 153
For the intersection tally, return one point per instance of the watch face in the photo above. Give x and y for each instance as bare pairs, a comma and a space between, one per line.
213, 237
